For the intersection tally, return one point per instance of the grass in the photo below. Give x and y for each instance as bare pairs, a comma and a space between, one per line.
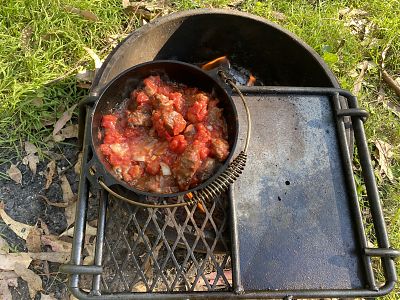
56, 41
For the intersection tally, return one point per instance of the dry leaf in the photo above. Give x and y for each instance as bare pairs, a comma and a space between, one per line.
95, 57
67, 115
53, 155
4, 246
7, 261
85, 75
68, 195
89, 259
139, 287
7, 275
87, 14
56, 257
20, 229
56, 244
70, 212
68, 132
31, 160
50, 170
26, 35
359, 81
78, 165
90, 231
5, 293
37, 101
385, 154
15, 174
33, 280
212, 276
33, 240
278, 15
30, 148
47, 297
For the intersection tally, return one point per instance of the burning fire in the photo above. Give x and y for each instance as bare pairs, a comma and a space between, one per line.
241, 76
251, 80
223, 60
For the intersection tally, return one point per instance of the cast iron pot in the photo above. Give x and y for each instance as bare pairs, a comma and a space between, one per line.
119, 89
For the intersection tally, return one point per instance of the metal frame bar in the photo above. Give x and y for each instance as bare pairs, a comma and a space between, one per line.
384, 251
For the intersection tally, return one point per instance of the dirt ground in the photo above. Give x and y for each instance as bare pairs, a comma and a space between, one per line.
23, 204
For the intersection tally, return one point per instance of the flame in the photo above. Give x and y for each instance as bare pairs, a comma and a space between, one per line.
223, 60
251, 80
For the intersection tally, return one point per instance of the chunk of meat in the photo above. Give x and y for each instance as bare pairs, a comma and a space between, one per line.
186, 166
140, 117
151, 84
168, 123
162, 102
207, 168
219, 148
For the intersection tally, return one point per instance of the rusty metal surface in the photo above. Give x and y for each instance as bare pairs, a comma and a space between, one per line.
293, 218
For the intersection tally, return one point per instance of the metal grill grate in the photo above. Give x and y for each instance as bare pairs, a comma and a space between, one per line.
156, 250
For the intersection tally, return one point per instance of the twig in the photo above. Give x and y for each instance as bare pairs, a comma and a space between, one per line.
391, 82
358, 83
56, 204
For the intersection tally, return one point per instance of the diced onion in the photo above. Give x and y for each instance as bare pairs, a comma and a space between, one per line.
139, 158
209, 127
165, 169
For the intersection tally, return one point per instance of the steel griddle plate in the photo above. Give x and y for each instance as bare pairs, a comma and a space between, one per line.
293, 218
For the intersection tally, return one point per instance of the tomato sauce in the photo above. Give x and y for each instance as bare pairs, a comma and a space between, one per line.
166, 137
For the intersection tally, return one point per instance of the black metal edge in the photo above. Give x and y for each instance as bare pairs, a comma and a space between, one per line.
235, 260
353, 198
376, 210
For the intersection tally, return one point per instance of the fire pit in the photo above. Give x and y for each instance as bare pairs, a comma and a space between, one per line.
290, 226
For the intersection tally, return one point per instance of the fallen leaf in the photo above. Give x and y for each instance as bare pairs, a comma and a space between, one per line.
213, 275
20, 229
95, 57
68, 132
89, 259
66, 116
7, 275
8, 260
56, 244
31, 160
359, 81
278, 15
37, 101
139, 287
70, 212
30, 148
15, 174
34, 281
56, 257
84, 85
5, 293
352, 12
78, 165
33, 240
50, 170
47, 297
85, 75
385, 154
53, 155
68, 194
4, 246
87, 14
44, 227
90, 231
26, 35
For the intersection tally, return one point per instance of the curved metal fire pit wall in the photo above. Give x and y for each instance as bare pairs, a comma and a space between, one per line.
274, 55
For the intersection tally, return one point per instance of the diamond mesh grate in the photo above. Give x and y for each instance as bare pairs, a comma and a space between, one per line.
165, 250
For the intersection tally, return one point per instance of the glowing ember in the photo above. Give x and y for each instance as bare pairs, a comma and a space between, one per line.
251, 80
220, 61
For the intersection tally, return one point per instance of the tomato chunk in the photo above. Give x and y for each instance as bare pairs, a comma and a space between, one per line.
197, 112
178, 144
